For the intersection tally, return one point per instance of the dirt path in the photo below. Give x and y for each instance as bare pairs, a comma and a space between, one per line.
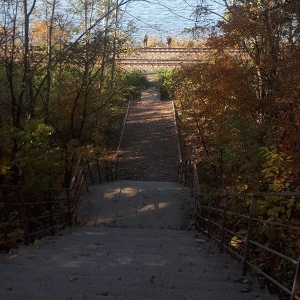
149, 149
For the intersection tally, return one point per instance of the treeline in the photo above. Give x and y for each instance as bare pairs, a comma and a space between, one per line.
61, 92
242, 112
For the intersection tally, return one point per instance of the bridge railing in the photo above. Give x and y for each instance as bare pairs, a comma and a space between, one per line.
238, 224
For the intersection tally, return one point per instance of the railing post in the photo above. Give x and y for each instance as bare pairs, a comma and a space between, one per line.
296, 286
116, 170
198, 201
107, 175
188, 173
69, 200
209, 216
193, 182
99, 171
183, 172
249, 234
90, 171
24, 217
223, 232
112, 171
51, 215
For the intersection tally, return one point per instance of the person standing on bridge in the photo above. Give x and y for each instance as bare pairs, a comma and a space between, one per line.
145, 41
169, 40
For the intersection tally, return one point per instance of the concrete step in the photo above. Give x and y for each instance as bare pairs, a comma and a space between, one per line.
118, 263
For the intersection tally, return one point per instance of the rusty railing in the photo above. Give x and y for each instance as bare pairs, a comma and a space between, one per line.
27, 214
241, 224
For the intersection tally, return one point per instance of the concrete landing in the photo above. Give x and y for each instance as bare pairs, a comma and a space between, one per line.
138, 204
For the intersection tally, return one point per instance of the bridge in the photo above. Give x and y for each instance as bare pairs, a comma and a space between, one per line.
156, 58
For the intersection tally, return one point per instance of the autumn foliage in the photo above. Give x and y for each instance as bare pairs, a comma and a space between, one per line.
239, 112
241, 108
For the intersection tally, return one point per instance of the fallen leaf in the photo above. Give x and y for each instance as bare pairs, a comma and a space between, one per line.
200, 241
242, 280
247, 290
170, 286
72, 278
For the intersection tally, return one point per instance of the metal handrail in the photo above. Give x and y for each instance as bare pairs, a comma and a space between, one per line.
116, 157
248, 240
31, 219
46, 214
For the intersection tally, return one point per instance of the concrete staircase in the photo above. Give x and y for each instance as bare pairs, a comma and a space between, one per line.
135, 241
132, 244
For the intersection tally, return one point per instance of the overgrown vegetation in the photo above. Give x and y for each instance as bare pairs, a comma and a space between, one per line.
240, 109
62, 94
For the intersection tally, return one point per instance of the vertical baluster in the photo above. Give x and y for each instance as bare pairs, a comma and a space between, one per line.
296, 286
107, 172
90, 172
24, 216
51, 214
116, 170
199, 198
99, 171
209, 216
249, 235
69, 202
223, 231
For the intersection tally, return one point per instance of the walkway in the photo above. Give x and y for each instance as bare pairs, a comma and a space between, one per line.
149, 150
135, 242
